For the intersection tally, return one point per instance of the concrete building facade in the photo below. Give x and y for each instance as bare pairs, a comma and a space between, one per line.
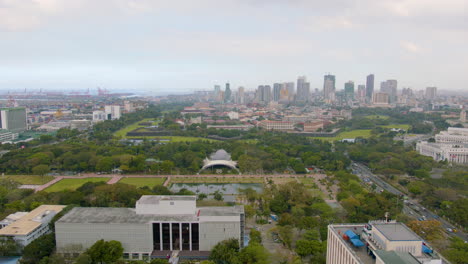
13, 119
155, 228
112, 112
276, 125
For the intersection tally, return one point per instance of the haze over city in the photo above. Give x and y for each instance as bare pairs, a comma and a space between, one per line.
180, 46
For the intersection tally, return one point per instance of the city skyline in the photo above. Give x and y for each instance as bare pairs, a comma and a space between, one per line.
179, 47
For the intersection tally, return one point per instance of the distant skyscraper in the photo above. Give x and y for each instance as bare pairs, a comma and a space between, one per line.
217, 88
369, 85
303, 89
266, 94
361, 91
227, 93
349, 90
276, 91
329, 88
390, 87
431, 92
291, 91
241, 95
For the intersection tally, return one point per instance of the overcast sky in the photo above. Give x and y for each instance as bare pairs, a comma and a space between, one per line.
177, 46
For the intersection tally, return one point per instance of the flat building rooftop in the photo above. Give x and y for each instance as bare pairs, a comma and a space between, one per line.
29, 222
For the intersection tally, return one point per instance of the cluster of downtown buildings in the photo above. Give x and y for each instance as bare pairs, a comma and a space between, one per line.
301, 92
37, 117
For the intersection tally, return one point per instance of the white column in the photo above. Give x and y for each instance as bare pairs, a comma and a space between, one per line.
190, 235
160, 237
170, 235
180, 236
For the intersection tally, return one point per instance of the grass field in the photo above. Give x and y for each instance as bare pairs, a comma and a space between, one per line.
217, 180
364, 133
73, 184
30, 179
383, 117
282, 180
309, 182
140, 182
123, 132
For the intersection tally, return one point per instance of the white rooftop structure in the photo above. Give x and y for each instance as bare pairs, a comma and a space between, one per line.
220, 158
378, 242
28, 226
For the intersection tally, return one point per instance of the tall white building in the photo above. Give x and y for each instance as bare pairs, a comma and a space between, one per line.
13, 119
377, 242
112, 112
99, 115
155, 228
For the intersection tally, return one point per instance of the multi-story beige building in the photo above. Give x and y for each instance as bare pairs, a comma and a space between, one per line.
380, 99
276, 125
25, 227
157, 227
313, 126
377, 242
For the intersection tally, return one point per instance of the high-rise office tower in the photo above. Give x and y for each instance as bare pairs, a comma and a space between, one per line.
431, 92
227, 93
276, 91
13, 119
217, 88
266, 94
240, 95
369, 85
329, 88
303, 89
390, 87
349, 90
361, 91
291, 90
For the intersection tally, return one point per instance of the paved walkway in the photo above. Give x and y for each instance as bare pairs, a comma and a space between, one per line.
114, 179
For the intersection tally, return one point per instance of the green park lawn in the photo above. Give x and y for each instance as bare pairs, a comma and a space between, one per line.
123, 132
364, 133
73, 184
30, 179
306, 181
141, 182
374, 117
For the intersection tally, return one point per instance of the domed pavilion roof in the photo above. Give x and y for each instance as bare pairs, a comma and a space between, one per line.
220, 154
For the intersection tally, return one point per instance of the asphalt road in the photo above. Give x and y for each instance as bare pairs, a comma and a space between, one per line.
411, 208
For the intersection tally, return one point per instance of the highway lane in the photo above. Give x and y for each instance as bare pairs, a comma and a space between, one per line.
411, 207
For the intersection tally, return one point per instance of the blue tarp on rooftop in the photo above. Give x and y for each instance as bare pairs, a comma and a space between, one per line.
351, 234
426, 249
356, 242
